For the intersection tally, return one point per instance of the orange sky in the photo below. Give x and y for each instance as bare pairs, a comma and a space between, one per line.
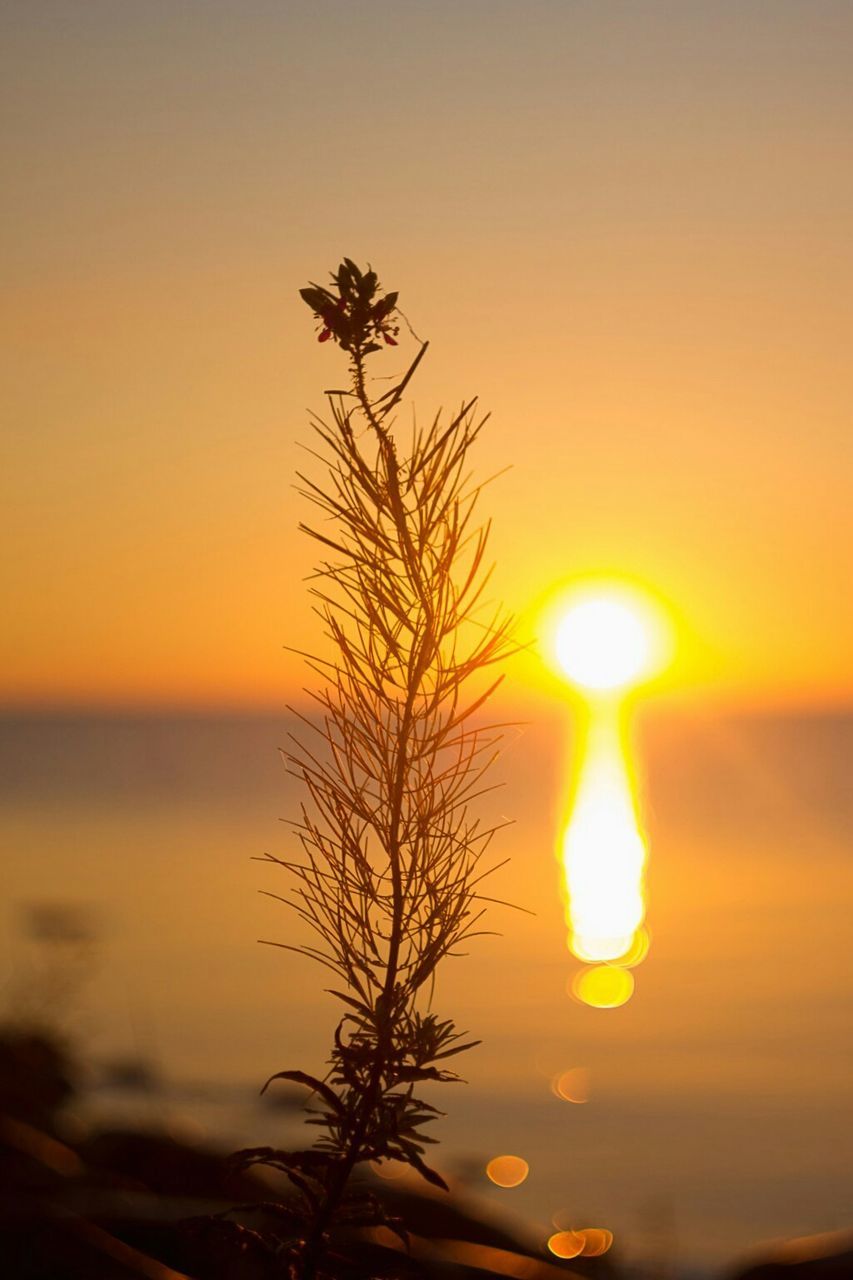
625, 226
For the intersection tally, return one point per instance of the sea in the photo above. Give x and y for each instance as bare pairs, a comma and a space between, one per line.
136, 919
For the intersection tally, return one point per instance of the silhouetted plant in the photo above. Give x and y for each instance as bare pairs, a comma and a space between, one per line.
391, 869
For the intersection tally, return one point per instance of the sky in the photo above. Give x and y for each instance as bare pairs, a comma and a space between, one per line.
625, 226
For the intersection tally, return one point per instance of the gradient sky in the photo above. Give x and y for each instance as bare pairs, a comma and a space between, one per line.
625, 225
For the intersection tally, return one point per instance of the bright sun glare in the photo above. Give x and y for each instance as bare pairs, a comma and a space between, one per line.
607, 641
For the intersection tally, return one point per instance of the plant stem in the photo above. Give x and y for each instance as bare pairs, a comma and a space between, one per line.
420, 658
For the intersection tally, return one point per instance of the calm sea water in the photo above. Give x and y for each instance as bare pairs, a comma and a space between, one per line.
721, 1105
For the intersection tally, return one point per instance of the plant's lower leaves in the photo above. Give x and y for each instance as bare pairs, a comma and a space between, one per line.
285, 1214
305, 1169
459, 1048
313, 1163
425, 1171
310, 1082
427, 1073
227, 1236
358, 1005
364, 1209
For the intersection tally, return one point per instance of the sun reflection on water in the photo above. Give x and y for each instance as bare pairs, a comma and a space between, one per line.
604, 853
608, 640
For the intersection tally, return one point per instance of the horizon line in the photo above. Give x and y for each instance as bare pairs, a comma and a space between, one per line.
725, 702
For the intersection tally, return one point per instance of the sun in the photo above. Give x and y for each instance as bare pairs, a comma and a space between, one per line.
609, 638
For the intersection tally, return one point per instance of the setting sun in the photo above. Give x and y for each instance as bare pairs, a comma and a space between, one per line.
609, 638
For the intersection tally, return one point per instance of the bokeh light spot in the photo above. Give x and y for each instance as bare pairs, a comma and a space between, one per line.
572, 1085
566, 1244
596, 1241
603, 986
507, 1171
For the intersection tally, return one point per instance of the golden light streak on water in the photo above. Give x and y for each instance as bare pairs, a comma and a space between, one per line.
638, 949
606, 640
604, 853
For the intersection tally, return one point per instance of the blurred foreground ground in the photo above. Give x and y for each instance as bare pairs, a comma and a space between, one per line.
79, 1202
